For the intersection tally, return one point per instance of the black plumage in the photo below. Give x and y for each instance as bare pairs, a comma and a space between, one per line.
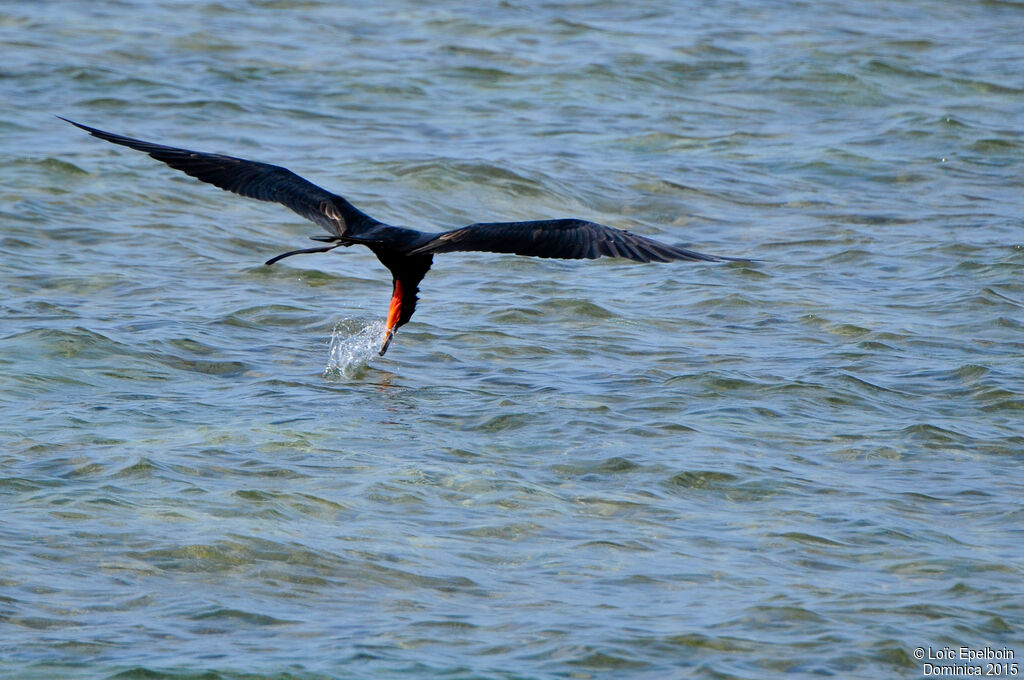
407, 253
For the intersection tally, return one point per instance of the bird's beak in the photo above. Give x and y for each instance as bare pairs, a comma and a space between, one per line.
394, 311
388, 337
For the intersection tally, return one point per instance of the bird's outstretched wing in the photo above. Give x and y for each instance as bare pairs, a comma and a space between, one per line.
255, 180
568, 239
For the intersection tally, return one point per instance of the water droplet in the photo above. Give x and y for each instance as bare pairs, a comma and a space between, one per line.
353, 344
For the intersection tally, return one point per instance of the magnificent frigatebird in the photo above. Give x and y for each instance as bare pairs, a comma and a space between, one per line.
407, 253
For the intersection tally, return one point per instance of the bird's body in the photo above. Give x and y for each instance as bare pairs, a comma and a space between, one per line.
407, 253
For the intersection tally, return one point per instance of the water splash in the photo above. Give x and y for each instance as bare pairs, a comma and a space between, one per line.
353, 344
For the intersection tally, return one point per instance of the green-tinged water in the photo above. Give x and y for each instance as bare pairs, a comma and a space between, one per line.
805, 466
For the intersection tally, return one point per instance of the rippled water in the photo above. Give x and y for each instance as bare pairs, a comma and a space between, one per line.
808, 465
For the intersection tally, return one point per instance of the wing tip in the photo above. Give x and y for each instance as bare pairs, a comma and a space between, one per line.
104, 135
90, 130
682, 253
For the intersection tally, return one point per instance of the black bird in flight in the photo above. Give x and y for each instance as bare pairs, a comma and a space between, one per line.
407, 253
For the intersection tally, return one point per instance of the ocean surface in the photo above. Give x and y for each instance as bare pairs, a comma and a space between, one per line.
808, 465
